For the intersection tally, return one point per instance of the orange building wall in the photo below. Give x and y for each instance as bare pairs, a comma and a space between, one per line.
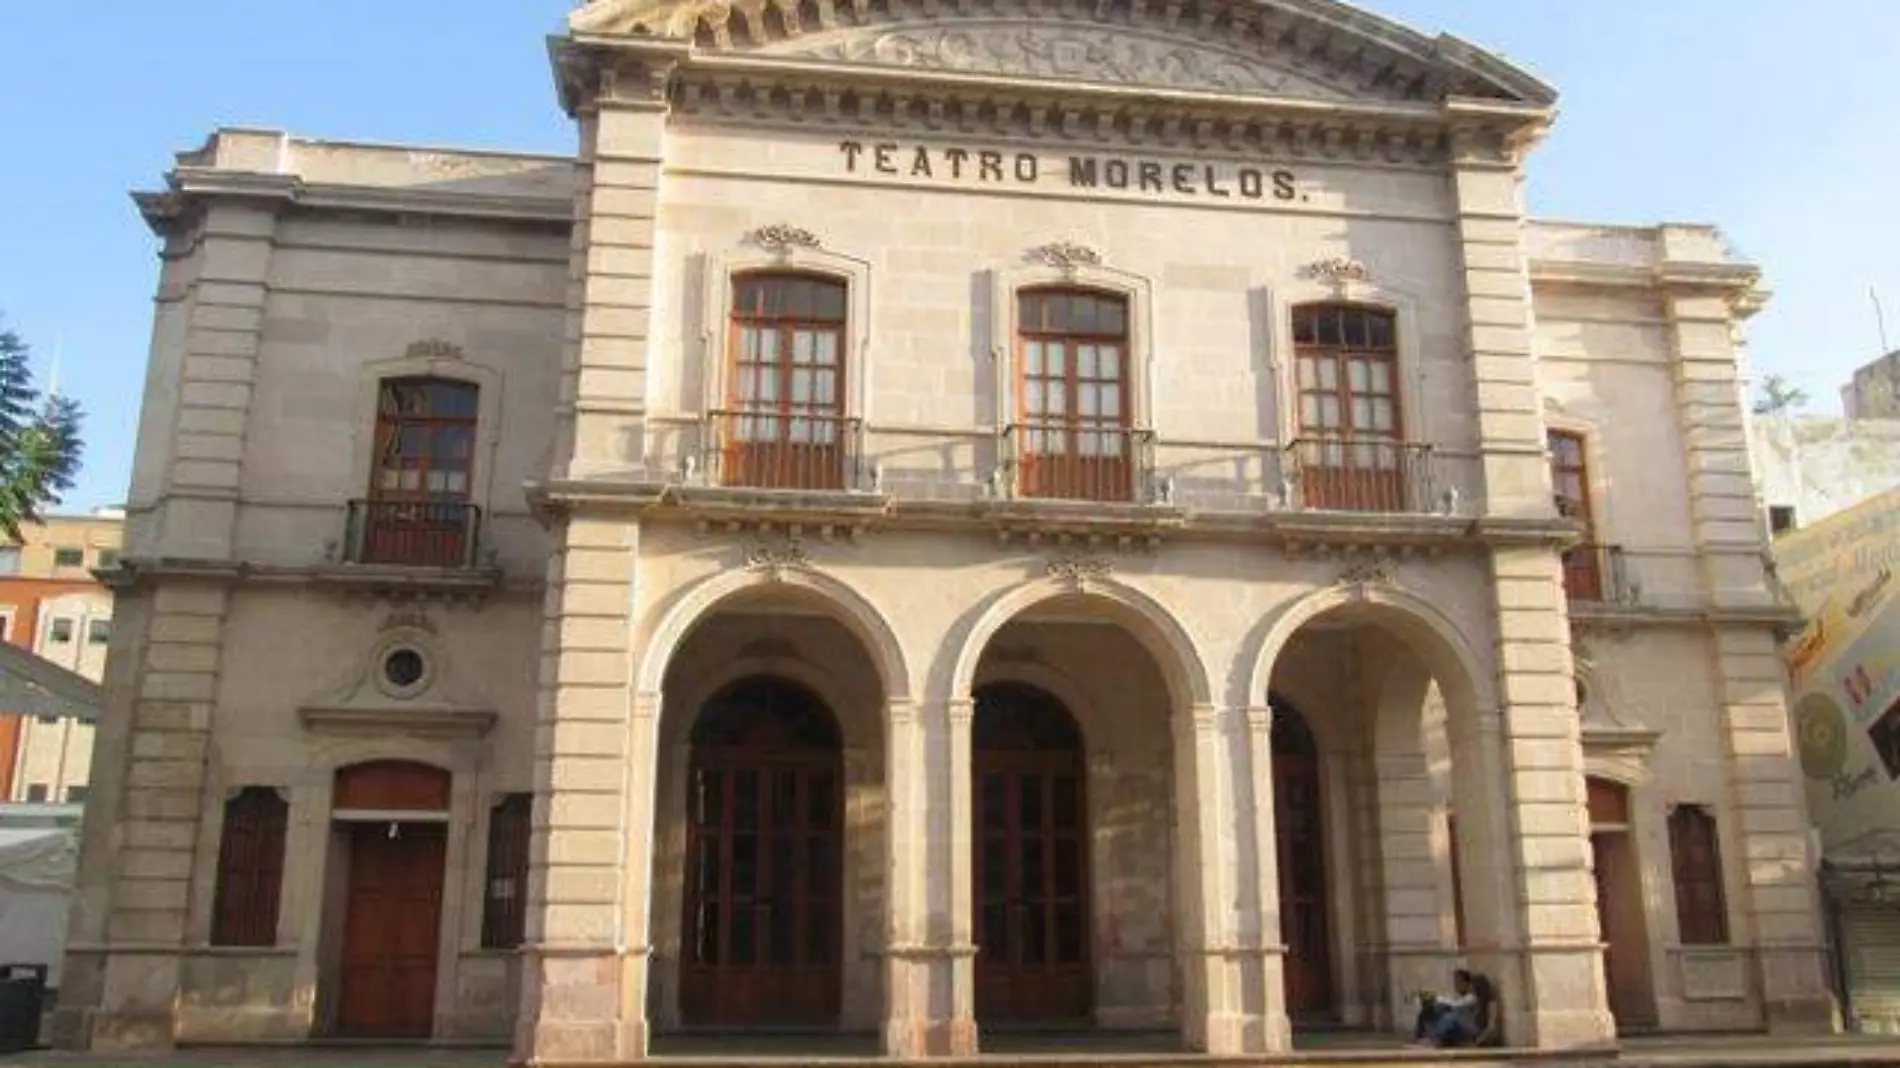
21, 598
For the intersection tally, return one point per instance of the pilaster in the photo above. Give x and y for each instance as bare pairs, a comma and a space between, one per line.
1563, 1000
622, 123
930, 982
1764, 823
136, 893
1271, 1030
222, 332
584, 973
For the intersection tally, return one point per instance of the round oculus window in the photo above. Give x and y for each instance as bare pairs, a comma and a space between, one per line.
403, 668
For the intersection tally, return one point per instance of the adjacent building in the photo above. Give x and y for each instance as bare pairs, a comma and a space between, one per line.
52, 606
1844, 667
941, 519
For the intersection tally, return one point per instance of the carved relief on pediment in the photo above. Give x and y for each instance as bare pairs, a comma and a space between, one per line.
1058, 51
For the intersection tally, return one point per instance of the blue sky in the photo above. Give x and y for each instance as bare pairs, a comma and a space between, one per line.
1773, 118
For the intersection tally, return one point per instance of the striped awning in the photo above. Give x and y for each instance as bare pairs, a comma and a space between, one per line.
30, 686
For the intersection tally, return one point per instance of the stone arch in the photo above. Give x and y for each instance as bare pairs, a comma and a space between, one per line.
704, 687
845, 604
1427, 630
1147, 619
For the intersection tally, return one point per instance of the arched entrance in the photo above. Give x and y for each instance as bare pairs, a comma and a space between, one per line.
1620, 908
1031, 862
391, 832
763, 914
1301, 843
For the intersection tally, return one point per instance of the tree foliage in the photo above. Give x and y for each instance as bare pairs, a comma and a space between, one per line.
1778, 395
40, 446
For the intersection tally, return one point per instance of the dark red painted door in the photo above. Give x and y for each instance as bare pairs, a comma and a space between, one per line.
390, 930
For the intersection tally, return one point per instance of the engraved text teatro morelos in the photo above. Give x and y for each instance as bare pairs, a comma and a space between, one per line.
1112, 172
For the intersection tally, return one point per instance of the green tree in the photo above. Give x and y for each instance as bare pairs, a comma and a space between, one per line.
39, 440
1779, 395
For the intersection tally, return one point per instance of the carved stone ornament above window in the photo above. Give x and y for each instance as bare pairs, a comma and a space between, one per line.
1065, 256
782, 238
1339, 269
1078, 570
433, 349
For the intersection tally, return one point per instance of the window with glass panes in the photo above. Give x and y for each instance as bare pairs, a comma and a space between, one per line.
1074, 364
1347, 371
788, 356
425, 440
1570, 486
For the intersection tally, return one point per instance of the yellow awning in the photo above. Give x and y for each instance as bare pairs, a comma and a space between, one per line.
30, 686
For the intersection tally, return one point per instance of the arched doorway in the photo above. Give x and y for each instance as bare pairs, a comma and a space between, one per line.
391, 821
764, 904
1620, 908
1031, 865
1301, 844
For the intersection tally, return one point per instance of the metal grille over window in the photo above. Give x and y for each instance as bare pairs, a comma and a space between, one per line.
505, 893
250, 869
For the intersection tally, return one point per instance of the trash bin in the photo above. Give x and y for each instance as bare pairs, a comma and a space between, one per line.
22, 990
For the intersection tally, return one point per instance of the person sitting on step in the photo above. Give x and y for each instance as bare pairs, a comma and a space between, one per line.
1449, 1023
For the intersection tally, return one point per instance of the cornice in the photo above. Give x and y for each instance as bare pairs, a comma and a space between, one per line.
193, 187
754, 94
354, 580
1034, 521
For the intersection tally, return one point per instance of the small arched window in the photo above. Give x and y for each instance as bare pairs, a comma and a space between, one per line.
1074, 440
784, 425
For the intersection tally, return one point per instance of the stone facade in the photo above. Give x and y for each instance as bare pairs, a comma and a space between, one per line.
1330, 738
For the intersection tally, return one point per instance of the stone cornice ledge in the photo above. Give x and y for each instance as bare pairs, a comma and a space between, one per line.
468, 723
374, 579
193, 186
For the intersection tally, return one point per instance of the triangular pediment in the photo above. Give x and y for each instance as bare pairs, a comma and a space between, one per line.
1297, 49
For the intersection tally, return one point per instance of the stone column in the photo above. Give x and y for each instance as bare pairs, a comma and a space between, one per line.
1764, 823
930, 1008
1271, 1030
1559, 997
585, 960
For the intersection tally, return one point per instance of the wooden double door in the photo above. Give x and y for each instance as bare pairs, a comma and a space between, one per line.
764, 902
391, 929
1031, 862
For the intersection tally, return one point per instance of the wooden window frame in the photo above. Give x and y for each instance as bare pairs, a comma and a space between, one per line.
1070, 455
780, 441
421, 525
1350, 466
1695, 864
510, 832
251, 848
1583, 564
388, 432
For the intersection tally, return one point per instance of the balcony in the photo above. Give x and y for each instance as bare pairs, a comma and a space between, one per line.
1597, 574
1366, 476
777, 450
1063, 461
433, 534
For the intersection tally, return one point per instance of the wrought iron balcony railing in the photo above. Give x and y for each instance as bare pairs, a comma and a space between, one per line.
1364, 475
1078, 461
779, 450
412, 533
